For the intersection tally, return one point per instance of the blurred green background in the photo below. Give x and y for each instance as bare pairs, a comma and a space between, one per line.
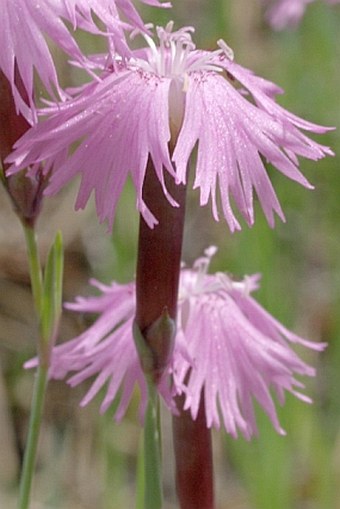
87, 461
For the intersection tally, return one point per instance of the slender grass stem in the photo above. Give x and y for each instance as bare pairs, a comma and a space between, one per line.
35, 267
40, 383
153, 495
47, 299
38, 399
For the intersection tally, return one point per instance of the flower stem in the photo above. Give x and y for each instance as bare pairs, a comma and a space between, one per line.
40, 383
153, 496
35, 267
194, 465
47, 294
158, 264
39, 391
158, 270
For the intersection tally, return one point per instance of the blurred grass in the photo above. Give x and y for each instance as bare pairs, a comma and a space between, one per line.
86, 460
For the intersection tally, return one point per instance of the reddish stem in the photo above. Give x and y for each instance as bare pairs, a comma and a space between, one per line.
25, 193
158, 270
159, 259
12, 125
194, 464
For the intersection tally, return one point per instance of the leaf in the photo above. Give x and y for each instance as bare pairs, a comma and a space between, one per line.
52, 293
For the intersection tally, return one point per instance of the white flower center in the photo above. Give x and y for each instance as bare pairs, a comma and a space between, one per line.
197, 281
176, 58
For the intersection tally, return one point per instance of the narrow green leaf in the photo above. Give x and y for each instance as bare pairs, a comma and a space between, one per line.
48, 294
52, 291
58, 274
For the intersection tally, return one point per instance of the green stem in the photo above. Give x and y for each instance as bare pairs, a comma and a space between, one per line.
35, 267
41, 377
152, 452
38, 398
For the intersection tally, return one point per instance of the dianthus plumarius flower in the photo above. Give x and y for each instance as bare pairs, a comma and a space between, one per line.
229, 351
288, 13
25, 23
239, 351
174, 94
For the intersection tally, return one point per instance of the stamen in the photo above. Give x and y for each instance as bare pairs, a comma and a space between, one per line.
228, 52
201, 265
246, 286
176, 56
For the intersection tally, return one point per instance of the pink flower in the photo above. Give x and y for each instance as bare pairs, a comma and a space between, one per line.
239, 351
173, 93
228, 350
24, 24
284, 13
